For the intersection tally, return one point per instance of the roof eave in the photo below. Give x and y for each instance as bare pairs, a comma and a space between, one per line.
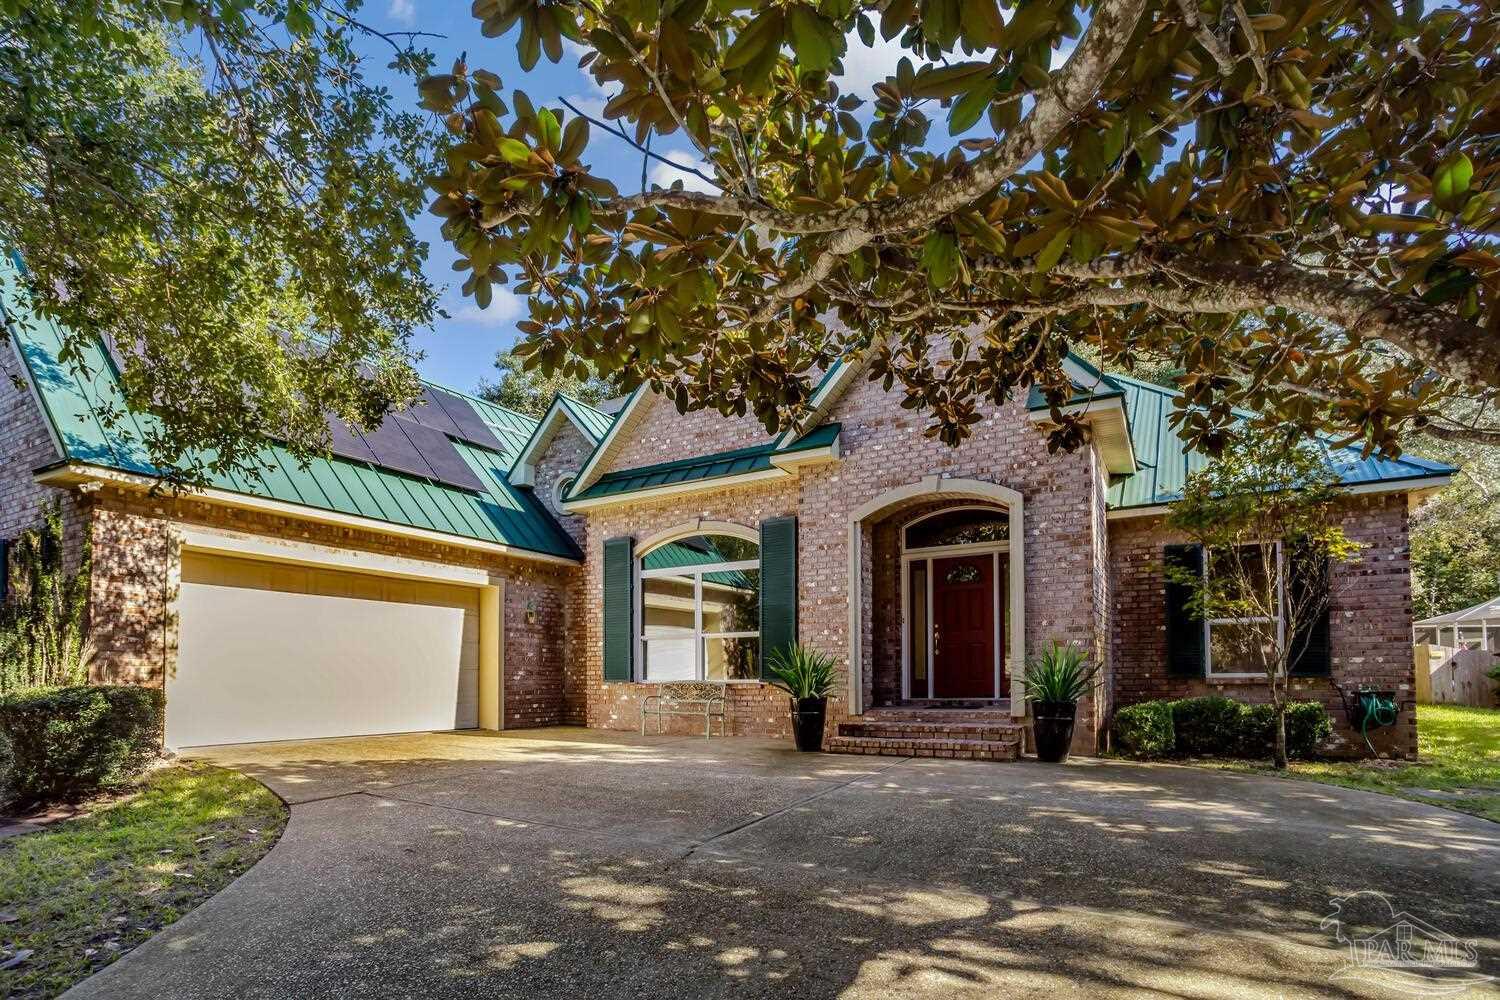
523, 469
70, 473
583, 504
1406, 484
1110, 424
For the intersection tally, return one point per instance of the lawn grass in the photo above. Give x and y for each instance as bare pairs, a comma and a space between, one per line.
85, 891
1458, 766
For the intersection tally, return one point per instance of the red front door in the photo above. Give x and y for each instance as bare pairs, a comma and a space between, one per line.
963, 622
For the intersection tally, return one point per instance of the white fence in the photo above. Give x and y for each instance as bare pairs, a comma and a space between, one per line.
1447, 676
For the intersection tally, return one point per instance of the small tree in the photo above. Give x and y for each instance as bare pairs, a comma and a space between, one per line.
1267, 516
530, 391
44, 636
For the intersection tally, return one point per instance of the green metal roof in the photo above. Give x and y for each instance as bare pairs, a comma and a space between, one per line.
1165, 461
594, 423
725, 463
1094, 385
77, 395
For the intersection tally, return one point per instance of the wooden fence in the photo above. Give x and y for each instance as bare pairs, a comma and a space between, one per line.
1447, 676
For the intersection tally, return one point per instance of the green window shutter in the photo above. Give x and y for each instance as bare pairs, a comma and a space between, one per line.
1312, 646
1185, 653
778, 586
619, 608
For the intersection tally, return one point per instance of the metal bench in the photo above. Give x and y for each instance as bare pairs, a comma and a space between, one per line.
693, 700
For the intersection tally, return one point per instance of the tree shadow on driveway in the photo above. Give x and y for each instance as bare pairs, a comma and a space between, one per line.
584, 864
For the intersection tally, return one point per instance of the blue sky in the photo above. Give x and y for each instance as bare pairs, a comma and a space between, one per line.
460, 350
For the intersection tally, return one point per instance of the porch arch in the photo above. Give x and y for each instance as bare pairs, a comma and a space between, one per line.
938, 487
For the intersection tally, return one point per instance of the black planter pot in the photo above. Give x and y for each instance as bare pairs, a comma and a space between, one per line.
808, 716
1052, 721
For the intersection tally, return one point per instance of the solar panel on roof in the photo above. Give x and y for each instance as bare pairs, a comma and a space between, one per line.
448, 467
394, 450
470, 426
429, 412
346, 442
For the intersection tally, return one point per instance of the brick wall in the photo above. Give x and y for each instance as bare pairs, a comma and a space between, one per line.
137, 567
26, 445
1369, 619
564, 456
883, 447
661, 434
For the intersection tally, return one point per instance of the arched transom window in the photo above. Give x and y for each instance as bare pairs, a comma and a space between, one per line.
700, 610
959, 526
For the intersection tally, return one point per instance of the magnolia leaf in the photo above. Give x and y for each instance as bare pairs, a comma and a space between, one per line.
1052, 253
1450, 184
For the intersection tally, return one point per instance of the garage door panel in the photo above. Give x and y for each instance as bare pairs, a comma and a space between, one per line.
270, 652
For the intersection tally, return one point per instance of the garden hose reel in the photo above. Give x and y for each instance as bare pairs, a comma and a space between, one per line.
1369, 708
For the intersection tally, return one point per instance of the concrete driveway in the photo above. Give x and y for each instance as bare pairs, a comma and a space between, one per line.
579, 864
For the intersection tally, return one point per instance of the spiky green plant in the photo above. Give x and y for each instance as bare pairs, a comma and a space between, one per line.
1059, 675
44, 636
802, 672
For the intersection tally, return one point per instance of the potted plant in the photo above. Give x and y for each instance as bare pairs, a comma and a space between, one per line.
808, 676
1055, 680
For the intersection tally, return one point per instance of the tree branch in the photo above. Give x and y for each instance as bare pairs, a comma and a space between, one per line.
1205, 36
1458, 349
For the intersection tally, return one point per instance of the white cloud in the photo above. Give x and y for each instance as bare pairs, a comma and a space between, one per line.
404, 11
590, 104
865, 66
505, 307
1062, 55
664, 173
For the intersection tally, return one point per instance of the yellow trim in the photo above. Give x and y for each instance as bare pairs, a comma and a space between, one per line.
492, 656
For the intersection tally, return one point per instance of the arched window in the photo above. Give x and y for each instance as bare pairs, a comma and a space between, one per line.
959, 526
700, 610
560, 490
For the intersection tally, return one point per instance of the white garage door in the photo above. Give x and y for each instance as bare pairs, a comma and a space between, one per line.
269, 651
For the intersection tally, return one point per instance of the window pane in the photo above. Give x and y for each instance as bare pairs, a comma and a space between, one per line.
730, 659
917, 638
667, 624
731, 601
1231, 646
1250, 571
959, 527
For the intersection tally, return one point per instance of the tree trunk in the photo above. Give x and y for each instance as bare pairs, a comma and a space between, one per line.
1278, 759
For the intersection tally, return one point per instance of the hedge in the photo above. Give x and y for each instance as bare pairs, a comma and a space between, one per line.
68, 742
1217, 727
1145, 730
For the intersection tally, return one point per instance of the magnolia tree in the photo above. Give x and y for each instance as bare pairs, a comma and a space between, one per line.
1294, 200
1267, 515
217, 187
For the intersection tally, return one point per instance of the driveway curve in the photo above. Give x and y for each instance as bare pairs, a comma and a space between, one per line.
576, 863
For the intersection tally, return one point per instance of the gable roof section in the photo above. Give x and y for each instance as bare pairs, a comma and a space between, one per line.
591, 423
1166, 461
76, 398
1477, 614
765, 461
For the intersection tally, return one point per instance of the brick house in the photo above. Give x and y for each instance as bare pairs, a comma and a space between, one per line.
466, 566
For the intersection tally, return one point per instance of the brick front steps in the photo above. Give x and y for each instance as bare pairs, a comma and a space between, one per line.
967, 734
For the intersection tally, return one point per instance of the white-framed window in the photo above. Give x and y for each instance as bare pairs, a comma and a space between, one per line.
1227, 641
699, 611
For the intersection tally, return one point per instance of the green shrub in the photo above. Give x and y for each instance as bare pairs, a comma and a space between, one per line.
1217, 727
1307, 725
69, 742
1209, 727
1145, 730
44, 637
